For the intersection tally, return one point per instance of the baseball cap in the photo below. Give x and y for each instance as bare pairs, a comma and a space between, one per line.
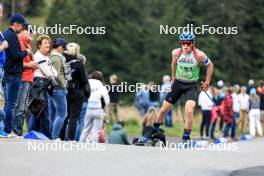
60, 42
18, 18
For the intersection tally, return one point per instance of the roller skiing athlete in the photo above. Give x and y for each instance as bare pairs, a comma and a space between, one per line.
185, 70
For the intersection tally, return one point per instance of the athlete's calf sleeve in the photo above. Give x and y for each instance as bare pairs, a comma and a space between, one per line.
186, 134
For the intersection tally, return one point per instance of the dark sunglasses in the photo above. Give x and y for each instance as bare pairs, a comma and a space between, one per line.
188, 43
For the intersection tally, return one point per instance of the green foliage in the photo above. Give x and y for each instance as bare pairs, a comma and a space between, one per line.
134, 49
26, 7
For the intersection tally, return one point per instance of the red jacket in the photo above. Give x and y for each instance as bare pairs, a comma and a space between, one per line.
226, 108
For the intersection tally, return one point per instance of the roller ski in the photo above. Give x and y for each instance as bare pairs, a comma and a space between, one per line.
151, 139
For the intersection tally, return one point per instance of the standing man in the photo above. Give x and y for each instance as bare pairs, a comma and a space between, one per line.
29, 66
185, 69
114, 99
13, 68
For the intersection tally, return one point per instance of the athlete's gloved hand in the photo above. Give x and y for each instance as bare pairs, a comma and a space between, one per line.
204, 86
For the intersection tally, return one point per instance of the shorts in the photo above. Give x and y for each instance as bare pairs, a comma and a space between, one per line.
179, 88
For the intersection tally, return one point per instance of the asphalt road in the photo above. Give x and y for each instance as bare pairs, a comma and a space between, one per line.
19, 157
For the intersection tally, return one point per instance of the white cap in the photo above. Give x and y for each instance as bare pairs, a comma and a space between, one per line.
220, 83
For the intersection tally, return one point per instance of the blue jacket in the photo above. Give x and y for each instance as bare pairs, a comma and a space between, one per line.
14, 56
2, 54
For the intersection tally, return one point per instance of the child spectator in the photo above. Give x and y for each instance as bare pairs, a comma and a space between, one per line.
118, 134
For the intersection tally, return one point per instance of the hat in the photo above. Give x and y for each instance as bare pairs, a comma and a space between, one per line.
18, 18
60, 42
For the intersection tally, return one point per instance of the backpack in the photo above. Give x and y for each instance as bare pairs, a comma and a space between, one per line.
69, 72
194, 53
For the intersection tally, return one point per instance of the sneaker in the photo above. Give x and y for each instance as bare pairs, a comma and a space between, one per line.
14, 135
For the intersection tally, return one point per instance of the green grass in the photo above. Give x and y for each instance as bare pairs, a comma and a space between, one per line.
133, 127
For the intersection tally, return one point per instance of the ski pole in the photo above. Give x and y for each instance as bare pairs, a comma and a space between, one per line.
209, 97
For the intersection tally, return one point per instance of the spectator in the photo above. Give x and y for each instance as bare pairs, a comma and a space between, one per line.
57, 102
215, 116
80, 122
260, 91
227, 112
254, 114
243, 100
2, 118
251, 85
114, 99
118, 134
149, 119
44, 73
13, 68
3, 46
29, 66
222, 92
206, 106
95, 114
235, 91
78, 87
165, 88
153, 95
142, 100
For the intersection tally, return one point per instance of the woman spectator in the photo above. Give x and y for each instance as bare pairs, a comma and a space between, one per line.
77, 88
254, 114
227, 112
243, 100
206, 106
58, 99
43, 75
215, 114
94, 116
149, 119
